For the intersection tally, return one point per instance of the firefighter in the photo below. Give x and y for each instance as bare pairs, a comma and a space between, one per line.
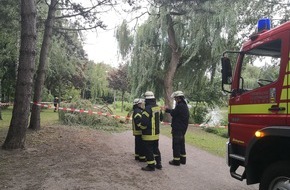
150, 123
136, 122
179, 124
55, 103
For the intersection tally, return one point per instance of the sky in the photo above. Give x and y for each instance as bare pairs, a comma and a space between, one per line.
101, 45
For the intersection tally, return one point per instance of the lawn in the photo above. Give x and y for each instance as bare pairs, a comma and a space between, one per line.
48, 117
201, 139
195, 135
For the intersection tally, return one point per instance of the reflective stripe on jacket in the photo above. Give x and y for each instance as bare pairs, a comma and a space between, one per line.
136, 121
150, 123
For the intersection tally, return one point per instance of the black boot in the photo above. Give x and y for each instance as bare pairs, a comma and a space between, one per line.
183, 160
174, 162
158, 166
158, 163
148, 168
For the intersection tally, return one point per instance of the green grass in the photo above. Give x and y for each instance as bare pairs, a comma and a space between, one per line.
48, 117
118, 111
6, 117
199, 138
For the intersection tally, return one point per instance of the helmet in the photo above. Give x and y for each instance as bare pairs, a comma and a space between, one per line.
149, 95
177, 94
137, 101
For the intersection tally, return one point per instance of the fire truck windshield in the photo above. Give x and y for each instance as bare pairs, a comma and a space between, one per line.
260, 66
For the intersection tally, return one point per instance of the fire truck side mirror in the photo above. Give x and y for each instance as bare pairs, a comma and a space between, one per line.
226, 71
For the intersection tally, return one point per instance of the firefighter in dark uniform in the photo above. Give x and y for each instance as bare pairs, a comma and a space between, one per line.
136, 123
179, 124
150, 124
55, 103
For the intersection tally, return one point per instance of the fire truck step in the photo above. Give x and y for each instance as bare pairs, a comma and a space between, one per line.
237, 157
237, 176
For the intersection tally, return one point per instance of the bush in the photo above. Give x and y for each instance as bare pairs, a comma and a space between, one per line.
198, 114
46, 96
218, 131
92, 120
126, 105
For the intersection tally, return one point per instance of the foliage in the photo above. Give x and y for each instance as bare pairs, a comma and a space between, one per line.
9, 47
126, 106
71, 94
198, 114
96, 80
92, 120
46, 96
124, 39
211, 29
218, 131
65, 68
118, 79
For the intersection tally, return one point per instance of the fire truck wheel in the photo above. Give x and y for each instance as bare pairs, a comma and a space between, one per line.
276, 176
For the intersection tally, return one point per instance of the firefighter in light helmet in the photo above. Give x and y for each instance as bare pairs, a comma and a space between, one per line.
150, 125
179, 124
136, 123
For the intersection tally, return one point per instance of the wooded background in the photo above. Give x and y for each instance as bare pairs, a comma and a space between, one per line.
178, 47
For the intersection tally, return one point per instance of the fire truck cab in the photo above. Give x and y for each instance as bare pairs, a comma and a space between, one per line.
258, 149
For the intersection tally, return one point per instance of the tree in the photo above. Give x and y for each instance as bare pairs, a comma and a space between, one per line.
118, 80
181, 41
17, 129
38, 86
96, 80
68, 10
124, 38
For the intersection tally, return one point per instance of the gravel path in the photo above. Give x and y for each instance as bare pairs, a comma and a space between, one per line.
69, 158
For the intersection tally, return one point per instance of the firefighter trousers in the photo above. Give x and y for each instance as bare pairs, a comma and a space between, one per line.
153, 155
139, 148
178, 146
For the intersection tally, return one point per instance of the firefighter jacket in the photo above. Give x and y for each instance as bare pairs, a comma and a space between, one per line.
150, 123
136, 120
180, 117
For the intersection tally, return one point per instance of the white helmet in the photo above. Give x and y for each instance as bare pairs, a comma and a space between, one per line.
177, 94
149, 95
137, 101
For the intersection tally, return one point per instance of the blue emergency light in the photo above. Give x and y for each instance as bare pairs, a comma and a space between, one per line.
264, 24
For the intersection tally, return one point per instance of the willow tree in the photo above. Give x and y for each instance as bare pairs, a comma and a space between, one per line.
167, 41
181, 42
124, 38
96, 80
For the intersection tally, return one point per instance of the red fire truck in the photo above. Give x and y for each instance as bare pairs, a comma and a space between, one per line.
258, 149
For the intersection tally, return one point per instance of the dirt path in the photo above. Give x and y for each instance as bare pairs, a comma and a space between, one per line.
68, 158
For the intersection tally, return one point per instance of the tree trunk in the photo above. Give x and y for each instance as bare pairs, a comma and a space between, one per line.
122, 107
38, 86
17, 130
0, 101
175, 58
